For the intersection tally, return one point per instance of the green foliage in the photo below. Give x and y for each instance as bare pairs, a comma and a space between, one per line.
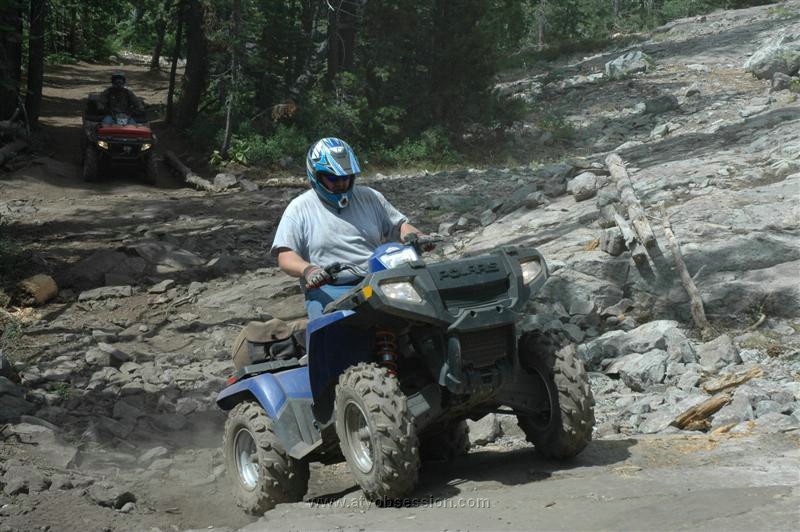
253, 148
431, 146
557, 126
63, 390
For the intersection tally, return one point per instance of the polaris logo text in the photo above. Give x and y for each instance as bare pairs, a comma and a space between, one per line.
472, 269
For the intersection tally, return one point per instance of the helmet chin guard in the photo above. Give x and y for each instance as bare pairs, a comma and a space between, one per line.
334, 157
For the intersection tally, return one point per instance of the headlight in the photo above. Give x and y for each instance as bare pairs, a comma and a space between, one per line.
396, 256
146, 146
530, 270
401, 291
103, 144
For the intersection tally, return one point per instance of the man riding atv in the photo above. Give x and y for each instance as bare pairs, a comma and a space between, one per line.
119, 100
116, 133
335, 221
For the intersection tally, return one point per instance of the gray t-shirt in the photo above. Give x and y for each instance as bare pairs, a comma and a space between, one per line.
322, 234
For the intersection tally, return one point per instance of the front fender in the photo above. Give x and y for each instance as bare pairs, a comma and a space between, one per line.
271, 390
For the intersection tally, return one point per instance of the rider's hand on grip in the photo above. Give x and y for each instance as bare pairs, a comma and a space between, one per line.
315, 276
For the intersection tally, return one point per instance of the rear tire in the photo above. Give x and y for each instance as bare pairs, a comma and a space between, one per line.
262, 473
151, 168
91, 164
376, 432
565, 427
446, 443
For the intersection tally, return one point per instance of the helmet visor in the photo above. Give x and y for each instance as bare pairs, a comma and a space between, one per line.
333, 178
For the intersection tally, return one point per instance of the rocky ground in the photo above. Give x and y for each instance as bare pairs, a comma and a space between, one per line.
113, 425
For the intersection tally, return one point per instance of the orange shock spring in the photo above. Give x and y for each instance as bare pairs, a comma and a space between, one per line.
386, 348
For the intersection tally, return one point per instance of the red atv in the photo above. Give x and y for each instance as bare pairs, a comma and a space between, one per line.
121, 141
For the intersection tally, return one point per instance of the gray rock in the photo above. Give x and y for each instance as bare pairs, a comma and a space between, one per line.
775, 422
224, 181
485, 430
780, 81
446, 228
9, 388
125, 410
487, 217
718, 353
248, 185
7, 368
629, 63
128, 507
24, 479
777, 55
582, 307
92, 270
612, 242
167, 257
106, 292
574, 332
693, 90
661, 104
688, 380
660, 420
659, 131
661, 334
12, 407
535, 199
60, 482
168, 422
767, 406
737, 411
621, 307
152, 454
583, 186
223, 265
110, 495
640, 371
162, 287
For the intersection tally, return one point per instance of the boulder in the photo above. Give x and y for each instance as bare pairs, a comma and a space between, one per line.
777, 55
110, 495
640, 371
661, 104
167, 257
44, 443
24, 479
629, 63
12, 407
612, 242
781, 81
535, 199
162, 287
583, 186
485, 430
223, 181
775, 422
661, 334
718, 353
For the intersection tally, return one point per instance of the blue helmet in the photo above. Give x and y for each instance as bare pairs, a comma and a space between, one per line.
334, 157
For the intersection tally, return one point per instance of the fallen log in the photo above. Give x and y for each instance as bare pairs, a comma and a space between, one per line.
11, 150
631, 202
729, 381
696, 418
36, 290
187, 174
696, 302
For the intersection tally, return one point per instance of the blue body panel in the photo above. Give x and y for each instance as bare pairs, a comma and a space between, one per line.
271, 390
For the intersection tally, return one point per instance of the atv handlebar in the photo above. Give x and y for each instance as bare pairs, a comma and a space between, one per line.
422, 243
338, 267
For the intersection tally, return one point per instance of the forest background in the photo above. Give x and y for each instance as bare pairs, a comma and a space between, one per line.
404, 81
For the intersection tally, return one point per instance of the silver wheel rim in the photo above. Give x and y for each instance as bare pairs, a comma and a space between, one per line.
244, 445
359, 436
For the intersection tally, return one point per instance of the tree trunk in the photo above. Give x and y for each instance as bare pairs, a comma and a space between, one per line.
333, 46
194, 77
236, 19
33, 98
615, 9
176, 53
540, 21
10, 59
161, 29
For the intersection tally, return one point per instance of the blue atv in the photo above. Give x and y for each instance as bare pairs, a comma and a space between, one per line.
391, 371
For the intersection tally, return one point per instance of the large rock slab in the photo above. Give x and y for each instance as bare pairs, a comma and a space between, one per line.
780, 54
640, 371
718, 353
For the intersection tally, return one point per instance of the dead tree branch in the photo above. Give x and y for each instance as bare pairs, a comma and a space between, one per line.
187, 174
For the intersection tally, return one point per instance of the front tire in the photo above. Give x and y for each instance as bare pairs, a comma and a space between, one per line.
91, 164
262, 473
376, 432
151, 168
564, 427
